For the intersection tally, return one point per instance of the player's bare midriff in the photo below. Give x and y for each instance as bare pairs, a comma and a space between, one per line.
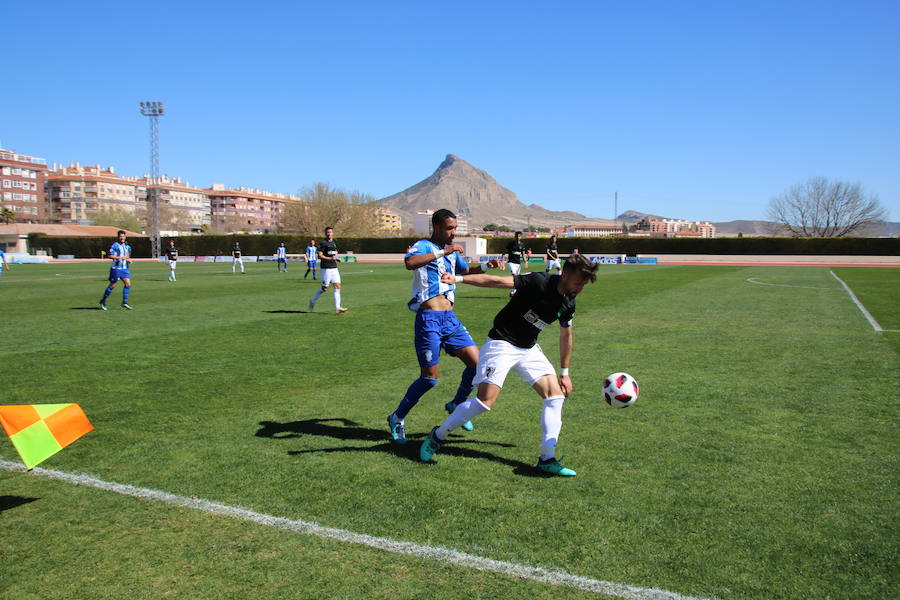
437, 303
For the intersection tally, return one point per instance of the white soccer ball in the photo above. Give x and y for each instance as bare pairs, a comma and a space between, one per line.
620, 390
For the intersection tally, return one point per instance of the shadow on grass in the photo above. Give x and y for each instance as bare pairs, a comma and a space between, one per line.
288, 312
345, 429
10, 502
84, 308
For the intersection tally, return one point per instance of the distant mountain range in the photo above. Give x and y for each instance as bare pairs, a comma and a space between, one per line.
471, 192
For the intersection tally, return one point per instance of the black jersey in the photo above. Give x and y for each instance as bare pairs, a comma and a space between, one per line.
515, 250
236, 252
552, 253
328, 249
172, 253
537, 303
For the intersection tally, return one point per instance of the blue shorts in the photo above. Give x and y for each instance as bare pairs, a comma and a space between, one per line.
436, 329
282, 260
312, 263
117, 274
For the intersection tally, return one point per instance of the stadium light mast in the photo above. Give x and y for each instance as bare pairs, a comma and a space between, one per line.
154, 110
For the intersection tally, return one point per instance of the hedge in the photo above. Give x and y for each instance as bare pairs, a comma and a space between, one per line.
264, 245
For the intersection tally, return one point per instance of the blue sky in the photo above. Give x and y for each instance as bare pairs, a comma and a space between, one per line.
697, 110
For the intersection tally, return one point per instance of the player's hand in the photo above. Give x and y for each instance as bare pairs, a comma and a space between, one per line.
448, 278
565, 383
453, 248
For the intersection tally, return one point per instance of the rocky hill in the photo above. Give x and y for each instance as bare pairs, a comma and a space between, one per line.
473, 193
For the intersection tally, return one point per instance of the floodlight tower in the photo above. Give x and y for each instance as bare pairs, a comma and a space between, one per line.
154, 110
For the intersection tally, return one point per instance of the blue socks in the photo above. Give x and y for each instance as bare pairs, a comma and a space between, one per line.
465, 386
106, 294
125, 291
416, 390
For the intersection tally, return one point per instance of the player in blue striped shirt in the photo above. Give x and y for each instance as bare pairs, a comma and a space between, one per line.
120, 253
281, 257
312, 259
436, 325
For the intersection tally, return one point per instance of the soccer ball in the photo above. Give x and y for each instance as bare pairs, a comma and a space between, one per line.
620, 390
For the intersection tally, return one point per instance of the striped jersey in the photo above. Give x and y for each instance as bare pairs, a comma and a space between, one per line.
312, 253
119, 249
282, 252
426, 281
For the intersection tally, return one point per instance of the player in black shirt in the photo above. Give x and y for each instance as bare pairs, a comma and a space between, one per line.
328, 257
552, 257
236, 257
515, 252
172, 256
512, 344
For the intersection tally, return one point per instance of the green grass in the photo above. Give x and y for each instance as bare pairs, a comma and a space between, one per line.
759, 462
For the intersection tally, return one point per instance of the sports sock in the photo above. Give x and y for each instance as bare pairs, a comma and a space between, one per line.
464, 412
465, 386
551, 424
337, 299
316, 295
307, 273
125, 291
416, 390
106, 294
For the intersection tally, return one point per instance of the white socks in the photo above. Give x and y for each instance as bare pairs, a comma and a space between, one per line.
464, 412
337, 299
316, 295
551, 424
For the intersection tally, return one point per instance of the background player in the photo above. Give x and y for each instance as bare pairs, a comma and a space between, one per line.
281, 257
512, 344
312, 258
552, 256
328, 254
3, 263
172, 256
120, 253
236, 257
436, 325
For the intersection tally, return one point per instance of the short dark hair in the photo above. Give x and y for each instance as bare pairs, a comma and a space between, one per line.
553, 236
120, 232
327, 227
581, 264
441, 215
518, 233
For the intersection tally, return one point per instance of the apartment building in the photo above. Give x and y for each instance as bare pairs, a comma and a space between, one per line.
77, 194
22, 186
182, 207
388, 220
590, 231
247, 209
677, 228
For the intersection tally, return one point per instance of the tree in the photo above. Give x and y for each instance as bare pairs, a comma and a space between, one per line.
822, 208
122, 219
7, 215
352, 214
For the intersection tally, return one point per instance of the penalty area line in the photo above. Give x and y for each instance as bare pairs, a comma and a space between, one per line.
860, 306
437, 553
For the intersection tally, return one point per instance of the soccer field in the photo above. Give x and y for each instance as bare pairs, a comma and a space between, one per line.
759, 462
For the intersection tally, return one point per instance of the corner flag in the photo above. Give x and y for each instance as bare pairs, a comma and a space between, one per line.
38, 431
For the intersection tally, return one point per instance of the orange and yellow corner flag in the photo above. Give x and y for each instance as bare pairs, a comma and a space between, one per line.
38, 431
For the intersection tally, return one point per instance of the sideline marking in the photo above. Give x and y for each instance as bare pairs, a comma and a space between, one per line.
862, 308
805, 287
551, 576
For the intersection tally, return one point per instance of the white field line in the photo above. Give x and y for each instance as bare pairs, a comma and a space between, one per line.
862, 308
805, 287
445, 555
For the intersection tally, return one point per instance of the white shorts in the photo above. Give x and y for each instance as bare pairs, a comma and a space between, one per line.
330, 276
497, 357
553, 264
235, 261
173, 264
514, 268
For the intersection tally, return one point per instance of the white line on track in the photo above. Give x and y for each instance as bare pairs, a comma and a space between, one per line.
862, 308
446, 555
805, 287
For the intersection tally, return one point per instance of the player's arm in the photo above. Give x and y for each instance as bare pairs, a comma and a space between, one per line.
565, 355
415, 261
481, 280
481, 267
